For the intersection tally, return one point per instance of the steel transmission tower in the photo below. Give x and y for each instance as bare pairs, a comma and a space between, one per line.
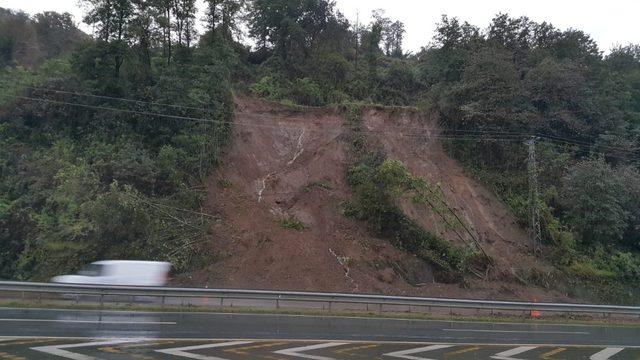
534, 196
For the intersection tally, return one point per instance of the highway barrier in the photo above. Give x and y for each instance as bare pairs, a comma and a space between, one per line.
292, 299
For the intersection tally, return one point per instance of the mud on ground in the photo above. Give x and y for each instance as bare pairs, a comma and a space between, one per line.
291, 164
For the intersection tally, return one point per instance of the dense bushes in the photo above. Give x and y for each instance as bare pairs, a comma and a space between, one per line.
67, 160
519, 80
300, 91
94, 165
378, 186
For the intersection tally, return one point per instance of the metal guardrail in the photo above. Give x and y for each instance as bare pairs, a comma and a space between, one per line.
310, 297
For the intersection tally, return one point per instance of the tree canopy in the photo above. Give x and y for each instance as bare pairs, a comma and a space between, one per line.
106, 138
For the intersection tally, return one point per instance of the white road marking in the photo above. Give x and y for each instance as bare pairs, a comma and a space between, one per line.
519, 331
92, 321
507, 355
58, 350
297, 351
184, 351
346, 341
408, 354
606, 353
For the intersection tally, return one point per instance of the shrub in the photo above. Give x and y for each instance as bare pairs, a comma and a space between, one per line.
268, 87
323, 184
306, 92
377, 186
291, 223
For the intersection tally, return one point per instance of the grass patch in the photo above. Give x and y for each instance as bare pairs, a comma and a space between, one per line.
225, 183
323, 184
291, 223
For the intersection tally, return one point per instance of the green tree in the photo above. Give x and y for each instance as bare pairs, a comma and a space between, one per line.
112, 20
594, 199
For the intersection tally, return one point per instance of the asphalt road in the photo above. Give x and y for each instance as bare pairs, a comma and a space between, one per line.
90, 335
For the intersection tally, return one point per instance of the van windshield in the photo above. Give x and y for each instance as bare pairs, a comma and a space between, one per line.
91, 270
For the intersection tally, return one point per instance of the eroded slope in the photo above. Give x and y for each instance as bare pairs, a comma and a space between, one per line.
288, 164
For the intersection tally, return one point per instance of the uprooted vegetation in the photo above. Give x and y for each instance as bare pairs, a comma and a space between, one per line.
402, 219
379, 183
376, 188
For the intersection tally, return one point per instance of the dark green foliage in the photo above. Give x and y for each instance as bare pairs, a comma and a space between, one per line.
301, 91
595, 199
307, 92
112, 173
29, 41
308, 54
116, 172
376, 185
270, 88
496, 89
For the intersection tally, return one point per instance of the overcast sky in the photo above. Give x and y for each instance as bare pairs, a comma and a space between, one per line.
608, 22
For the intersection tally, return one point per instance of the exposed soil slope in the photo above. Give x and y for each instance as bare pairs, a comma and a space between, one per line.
287, 163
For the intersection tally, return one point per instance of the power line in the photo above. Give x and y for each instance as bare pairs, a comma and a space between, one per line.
543, 135
140, 102
492, 132
501, 136
187, 118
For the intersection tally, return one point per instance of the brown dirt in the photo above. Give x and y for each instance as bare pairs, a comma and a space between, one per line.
289, 163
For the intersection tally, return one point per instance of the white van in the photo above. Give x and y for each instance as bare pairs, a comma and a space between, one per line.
117, 272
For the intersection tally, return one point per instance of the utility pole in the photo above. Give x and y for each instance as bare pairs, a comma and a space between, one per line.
534, 196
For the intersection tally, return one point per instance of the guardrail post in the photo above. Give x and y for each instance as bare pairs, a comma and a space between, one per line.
38, 292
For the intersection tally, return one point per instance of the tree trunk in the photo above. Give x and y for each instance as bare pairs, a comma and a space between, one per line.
168, 35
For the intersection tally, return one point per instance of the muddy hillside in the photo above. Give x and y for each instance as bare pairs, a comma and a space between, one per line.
279, 195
